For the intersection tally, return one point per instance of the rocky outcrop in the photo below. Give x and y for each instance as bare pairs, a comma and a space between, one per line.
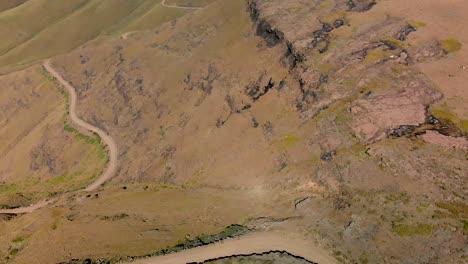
361, 66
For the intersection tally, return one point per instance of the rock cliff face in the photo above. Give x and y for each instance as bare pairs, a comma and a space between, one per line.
341, 55
334, 59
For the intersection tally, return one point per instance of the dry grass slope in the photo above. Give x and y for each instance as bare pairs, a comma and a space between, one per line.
217, 126
9, 4
59, 26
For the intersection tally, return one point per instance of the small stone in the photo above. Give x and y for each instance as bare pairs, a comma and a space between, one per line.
338, 23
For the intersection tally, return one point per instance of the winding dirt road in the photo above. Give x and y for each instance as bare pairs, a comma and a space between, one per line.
248, 244
80, 124
28, 209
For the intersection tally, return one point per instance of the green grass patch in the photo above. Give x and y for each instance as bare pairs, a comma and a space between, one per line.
458, 209
357, 149
370, 87
398, 197
395, 43
416, 24
18, 240
287, 141
443, 113
413, 230
13, 252
59, 179
68, 128
363, 259
451, 45
94, 140
342, 117
9, 188
421, 208
376, 55
326, 67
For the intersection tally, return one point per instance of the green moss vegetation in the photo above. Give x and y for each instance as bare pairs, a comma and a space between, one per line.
451, 45
442, 113
413, 230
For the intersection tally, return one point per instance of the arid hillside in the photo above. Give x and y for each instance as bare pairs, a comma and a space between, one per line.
40, 154
8, 4
342, 123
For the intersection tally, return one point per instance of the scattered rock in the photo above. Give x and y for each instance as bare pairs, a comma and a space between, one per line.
328, 156
360, 5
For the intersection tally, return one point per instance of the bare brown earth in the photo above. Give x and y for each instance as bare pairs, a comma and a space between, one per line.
301, 116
